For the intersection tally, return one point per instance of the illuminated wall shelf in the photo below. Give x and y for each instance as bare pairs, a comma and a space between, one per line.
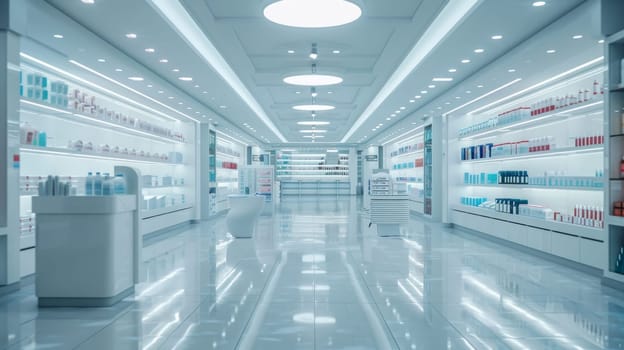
574, 135
404, 158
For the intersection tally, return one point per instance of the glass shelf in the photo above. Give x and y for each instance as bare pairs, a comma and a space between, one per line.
69, 153
566, 151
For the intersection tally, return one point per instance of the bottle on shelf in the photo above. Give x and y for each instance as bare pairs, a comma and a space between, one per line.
107, 185
89, 184
97, 184
622, 168
119, 184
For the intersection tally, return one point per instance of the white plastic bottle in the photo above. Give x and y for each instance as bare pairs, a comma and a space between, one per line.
97, 184
119, 184
89, 184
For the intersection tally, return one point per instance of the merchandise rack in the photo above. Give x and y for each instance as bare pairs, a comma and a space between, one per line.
405, 161
614, 128
307, 173
228, 153
569, 146
138, 135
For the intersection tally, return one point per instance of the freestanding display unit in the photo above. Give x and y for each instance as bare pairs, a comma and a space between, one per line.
85, 249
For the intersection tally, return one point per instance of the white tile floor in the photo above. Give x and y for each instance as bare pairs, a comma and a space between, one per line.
316, 277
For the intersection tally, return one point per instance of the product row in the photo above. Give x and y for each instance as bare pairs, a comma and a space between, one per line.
583, 215
162, 201
418, 163
37, 87
152, 181
408, 149
226, 165
550, 178
228, 150
542, 144
27, 224
545, 105
88, 105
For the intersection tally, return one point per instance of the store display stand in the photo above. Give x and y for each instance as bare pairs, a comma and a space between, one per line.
85, 250
614, 112
389, 212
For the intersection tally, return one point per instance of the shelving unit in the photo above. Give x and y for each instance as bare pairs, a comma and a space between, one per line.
428, 173
614, 110
556, 153
69, 128
229, 159
405, 160
303, 173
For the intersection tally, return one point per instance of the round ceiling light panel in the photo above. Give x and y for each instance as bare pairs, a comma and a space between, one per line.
313, 108
313, 80
312, 13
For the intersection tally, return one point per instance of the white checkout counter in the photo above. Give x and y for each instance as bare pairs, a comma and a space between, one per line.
85, 250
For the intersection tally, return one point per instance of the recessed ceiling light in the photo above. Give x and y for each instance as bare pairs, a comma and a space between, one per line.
465, 60
313, 107
373, 129
393, 115
511, 70
551, 51
417, 96
397, 111
291, 51
118, 70
58, 36
452, 70
479, 50
468, 91
336, 51
313, 131
88, 2
539, 3
412, 101
423, 92
578, 36
163, 60
175, 70
311, 137
161, 92
479, 86
186, 78
189, 108
131, 36
402, 108
600, 41
387, 118
442, 79
150, 85
314, 122
447, 103
223, 106
136, 78
439, 107
313, 80
171, 97
101, 60
431, 86
197, 112
196, 86
312, 13
298, 92
180, 103
330, 92
457, 97
497, 37
204, 92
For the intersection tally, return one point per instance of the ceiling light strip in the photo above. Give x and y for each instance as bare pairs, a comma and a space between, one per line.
540, 84
444, 23
405, 133
88, 69
188, 29
482, 96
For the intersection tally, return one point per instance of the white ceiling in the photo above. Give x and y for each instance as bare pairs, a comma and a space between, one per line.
370, 51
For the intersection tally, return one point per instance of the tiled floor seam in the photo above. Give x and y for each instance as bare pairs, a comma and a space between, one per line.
374, 302
269, 275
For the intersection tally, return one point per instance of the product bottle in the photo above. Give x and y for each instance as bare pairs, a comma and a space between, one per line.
119, 184
97, 184
89, 184
107, 185
622, 168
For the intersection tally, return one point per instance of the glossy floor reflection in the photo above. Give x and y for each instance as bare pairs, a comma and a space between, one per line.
317, 277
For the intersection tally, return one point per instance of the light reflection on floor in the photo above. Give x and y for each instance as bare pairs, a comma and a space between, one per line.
317, 277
